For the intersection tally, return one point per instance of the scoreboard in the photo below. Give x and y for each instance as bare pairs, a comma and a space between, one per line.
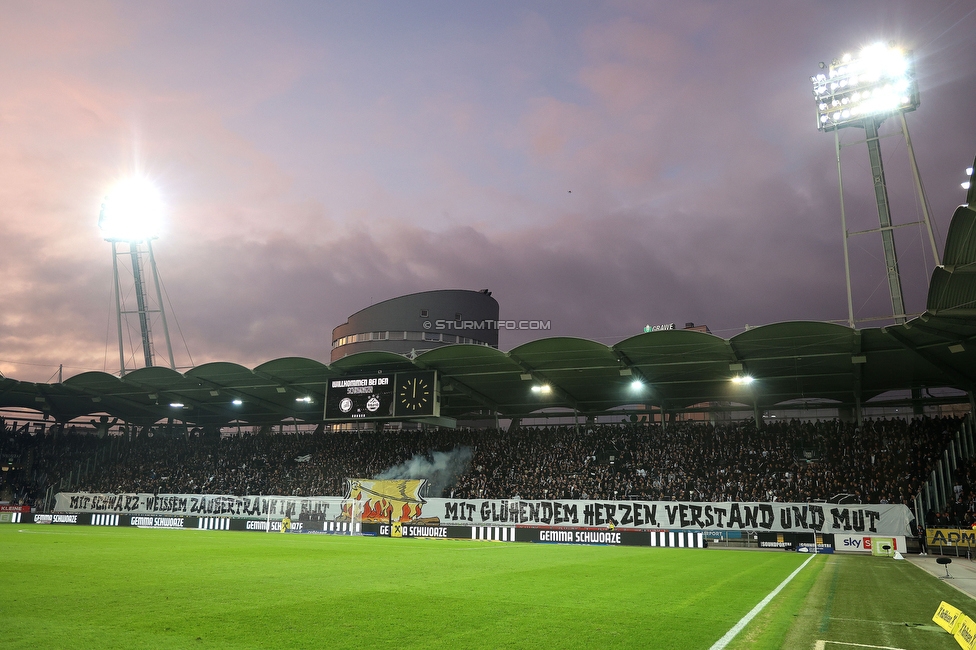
359, 398
401, 395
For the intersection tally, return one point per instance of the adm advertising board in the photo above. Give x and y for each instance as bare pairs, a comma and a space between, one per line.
373, 397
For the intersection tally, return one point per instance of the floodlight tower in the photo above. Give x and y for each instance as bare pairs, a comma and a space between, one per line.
132, 214
863, 90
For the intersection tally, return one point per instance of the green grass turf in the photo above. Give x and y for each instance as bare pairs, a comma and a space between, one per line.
91, 587
856, 600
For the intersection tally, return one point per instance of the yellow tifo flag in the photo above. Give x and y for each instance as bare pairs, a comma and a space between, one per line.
947, 617
381, 500
396, 529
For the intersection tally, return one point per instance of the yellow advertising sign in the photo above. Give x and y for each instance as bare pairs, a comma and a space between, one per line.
951, 537
947, 617
965, 632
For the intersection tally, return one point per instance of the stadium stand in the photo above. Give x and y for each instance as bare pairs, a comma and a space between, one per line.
884, 461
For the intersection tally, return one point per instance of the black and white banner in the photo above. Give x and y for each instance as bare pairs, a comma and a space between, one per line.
881, 519
185, 505
677, 515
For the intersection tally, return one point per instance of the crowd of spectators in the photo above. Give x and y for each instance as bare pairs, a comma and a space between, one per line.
960, 511
882, 461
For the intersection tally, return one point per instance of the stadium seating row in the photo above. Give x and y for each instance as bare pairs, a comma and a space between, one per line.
884, 461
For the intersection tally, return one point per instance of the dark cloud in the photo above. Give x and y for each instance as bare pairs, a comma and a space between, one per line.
600, 167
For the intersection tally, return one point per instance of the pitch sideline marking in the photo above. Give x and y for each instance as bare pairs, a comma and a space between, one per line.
829, 604
725, 640
867, 620
68, 531
821, 645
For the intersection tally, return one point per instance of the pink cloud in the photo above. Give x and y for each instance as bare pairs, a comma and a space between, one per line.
308, 173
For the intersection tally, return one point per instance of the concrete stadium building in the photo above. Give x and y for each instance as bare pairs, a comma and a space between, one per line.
418, 322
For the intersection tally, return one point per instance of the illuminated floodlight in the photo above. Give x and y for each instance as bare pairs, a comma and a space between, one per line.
176, 405
878, 81
967, 184
132, 211
742, 380
237, 402
637, 385
544, 389
306, 399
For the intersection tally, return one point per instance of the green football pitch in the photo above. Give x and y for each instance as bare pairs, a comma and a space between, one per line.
91, 587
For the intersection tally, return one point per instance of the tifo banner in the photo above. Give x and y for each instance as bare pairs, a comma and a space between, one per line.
875, 520
387, 500
323, 508
889, 520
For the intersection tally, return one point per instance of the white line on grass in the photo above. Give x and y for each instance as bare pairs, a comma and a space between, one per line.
867, 620
68, 531
725, 640
821, 645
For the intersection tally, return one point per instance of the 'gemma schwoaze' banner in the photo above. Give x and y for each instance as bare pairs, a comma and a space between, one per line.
880, 519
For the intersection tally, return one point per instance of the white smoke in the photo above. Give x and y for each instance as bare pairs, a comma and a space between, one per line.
440, 468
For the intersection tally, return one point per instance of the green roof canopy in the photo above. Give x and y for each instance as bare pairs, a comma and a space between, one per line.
678, 369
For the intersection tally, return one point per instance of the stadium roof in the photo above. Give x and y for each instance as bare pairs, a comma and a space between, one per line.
789, 361
679, 368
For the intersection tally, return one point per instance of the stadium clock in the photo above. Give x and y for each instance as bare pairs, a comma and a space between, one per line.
415, 394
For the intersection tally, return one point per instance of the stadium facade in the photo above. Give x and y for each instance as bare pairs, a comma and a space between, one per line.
418, 322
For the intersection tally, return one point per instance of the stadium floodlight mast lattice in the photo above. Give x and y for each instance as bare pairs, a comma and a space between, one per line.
132, 214
863, 90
